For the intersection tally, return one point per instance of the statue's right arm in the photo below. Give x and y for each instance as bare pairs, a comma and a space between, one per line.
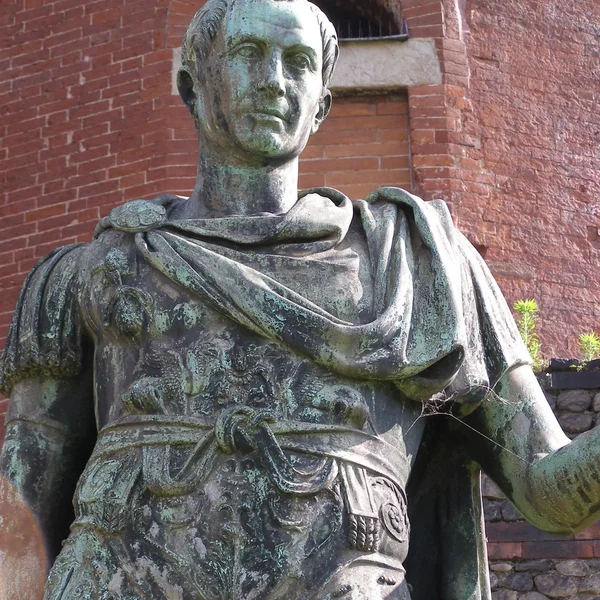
46, 368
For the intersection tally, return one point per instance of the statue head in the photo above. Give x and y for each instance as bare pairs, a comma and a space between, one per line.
255, 74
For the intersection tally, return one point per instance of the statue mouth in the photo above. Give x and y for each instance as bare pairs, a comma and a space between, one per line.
269, 114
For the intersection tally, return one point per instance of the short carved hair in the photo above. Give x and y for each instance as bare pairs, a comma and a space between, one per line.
203, 29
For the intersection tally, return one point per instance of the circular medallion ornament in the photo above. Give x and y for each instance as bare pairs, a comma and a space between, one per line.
395, 521
130, 310
138, 216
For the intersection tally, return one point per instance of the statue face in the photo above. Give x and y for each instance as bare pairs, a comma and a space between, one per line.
263, 89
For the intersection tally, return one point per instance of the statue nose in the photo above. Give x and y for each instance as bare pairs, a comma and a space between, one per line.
273, 78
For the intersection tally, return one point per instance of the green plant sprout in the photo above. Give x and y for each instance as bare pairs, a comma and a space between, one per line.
589, 346
526, 323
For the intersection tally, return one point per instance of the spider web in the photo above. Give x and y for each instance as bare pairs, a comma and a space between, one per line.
441, 404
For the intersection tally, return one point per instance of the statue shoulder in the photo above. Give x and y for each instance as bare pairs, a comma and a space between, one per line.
45, 333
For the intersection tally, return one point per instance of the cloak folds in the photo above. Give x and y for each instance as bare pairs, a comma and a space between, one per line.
439, 329
440, 323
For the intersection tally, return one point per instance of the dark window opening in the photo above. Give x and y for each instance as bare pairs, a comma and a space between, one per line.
363, 19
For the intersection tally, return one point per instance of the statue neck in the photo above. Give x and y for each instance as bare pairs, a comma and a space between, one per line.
224, 189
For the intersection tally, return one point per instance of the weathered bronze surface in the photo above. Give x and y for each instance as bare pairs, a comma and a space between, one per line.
256, 393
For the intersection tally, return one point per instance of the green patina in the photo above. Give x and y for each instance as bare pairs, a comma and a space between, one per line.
233, 390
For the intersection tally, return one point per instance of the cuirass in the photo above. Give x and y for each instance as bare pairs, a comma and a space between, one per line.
239, 465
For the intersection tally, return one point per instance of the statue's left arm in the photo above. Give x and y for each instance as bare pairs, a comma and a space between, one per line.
515, 437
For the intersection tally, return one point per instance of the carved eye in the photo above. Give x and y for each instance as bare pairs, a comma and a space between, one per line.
299, 62
249, 51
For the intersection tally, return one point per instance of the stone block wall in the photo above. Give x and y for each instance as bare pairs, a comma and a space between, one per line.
527, 564
546, 578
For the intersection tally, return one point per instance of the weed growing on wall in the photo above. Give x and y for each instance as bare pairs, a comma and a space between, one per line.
589, 346
527, 311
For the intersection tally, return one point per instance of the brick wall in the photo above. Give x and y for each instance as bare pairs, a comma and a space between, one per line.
510, 139
81, 88
81, 92
356, 160
534, 72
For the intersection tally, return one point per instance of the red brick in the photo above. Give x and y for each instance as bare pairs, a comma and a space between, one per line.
311, 180
45, 213
399, 107
356, 109
313, 151
423, 136
383, 149
327, 137
375, 176
132, 180
342, 164
421, 8
455, 69
426, 31
422, 20
395, 162
439, 160
558, 549
374, 122
504, 551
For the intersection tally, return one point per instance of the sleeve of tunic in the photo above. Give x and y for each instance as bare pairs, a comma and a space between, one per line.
45, 334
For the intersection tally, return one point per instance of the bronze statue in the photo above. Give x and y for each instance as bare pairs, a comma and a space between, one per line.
256, 393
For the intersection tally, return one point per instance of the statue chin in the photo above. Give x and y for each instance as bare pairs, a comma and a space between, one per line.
266, 137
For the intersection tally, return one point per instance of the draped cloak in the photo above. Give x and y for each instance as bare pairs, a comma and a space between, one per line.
440, 330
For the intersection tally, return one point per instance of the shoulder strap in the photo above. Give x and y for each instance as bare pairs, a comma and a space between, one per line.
45, 334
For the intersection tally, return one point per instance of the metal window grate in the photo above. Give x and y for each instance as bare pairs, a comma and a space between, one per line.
363, 20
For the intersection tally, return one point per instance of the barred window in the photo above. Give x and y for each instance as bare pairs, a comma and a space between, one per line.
364, 19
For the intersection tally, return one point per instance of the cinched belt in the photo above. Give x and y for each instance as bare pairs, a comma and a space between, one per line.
238, 429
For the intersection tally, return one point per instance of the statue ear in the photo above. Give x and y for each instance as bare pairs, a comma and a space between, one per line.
324, 108
185, 85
